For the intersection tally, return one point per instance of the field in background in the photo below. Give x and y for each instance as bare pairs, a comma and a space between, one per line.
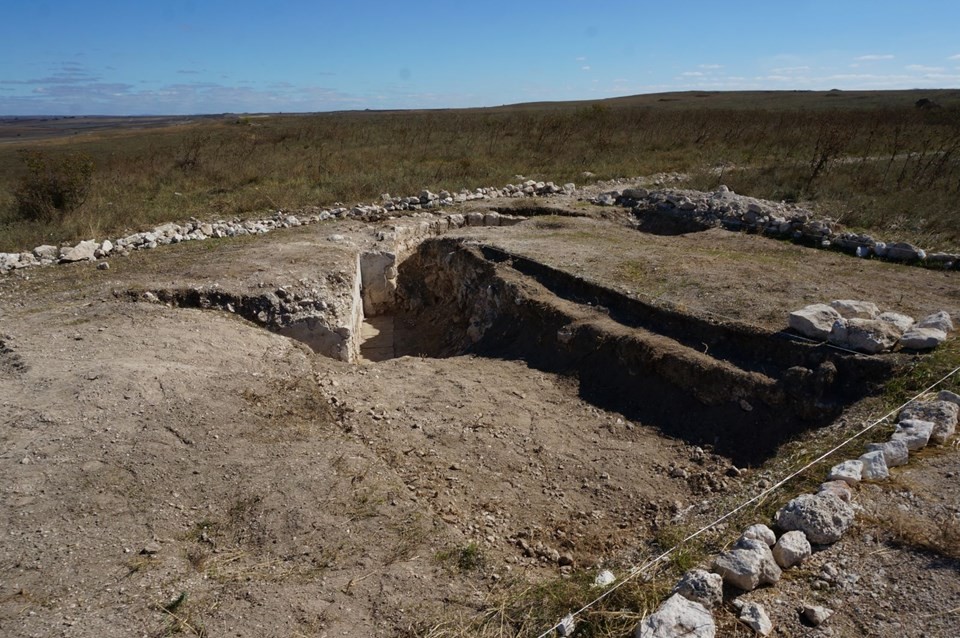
874, 160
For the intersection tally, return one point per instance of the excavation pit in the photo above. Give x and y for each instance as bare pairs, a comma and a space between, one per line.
734, 387
738, 389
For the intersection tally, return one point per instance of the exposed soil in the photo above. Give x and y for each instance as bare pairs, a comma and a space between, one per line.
583, 386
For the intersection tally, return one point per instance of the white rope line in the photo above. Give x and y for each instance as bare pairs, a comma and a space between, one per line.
637, 570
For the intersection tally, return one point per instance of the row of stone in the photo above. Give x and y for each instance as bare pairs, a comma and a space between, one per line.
726, 209
861, 326
759, 557
428, 199
194, 230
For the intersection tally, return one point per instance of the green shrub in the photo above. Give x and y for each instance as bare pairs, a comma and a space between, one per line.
52, 187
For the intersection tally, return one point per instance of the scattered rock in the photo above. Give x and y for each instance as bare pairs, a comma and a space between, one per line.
604, 578
151, 548
874, 466
748, 565
848, 471
755, 617
677, 617
814, 321
815, 614
701, 586
792, 549
103, 265
822, 517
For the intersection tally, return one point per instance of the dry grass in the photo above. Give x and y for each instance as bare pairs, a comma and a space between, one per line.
940, 536
879, 163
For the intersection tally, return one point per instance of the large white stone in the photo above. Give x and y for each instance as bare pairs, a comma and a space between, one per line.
943, 415
822, 517
792, 549
814, 321
701, 586
874, 466
848, 471
915, 433
900, 321
940, 320
895, 452
84, 251
760, 532
678, 617
870, 336
748, 565
919, 338
853, 309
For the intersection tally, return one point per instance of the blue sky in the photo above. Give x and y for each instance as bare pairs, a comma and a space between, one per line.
194, 56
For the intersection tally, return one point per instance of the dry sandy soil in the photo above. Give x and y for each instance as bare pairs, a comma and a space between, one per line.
169, 469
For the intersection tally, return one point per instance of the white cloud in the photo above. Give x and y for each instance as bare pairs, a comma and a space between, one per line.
585, 67
884, 56
711, 66
922, 68
692, 74
954, 57
790, 69
581, 58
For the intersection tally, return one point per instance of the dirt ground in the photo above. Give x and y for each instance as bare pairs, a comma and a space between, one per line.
174, 470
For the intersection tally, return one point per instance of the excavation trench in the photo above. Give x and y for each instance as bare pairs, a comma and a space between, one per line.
734, 387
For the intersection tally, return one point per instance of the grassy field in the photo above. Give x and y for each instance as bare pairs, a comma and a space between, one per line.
872, 159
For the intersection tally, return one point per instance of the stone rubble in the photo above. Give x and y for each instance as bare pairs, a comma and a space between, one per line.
725, 209
819, 519
425, 205
721, 208
860, 326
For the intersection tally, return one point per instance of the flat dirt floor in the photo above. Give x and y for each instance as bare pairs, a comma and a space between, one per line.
176, 470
